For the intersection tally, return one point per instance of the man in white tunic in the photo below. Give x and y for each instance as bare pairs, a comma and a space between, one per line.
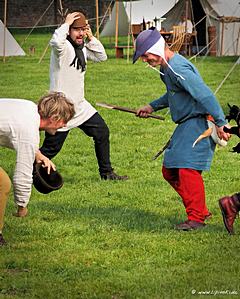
187, 23
20, 122
72, 44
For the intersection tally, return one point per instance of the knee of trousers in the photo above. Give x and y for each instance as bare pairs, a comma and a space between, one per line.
102, 133
50, 151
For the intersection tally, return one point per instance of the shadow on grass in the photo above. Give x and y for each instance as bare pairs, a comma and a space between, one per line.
122, 217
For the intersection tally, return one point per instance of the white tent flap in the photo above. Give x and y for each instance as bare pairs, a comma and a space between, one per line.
137, 11
12, 48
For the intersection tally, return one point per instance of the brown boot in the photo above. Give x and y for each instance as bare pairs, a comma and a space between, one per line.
230, 206
190, 225
21, 212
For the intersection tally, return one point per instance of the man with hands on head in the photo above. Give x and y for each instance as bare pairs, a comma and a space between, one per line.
72, 45
20, 122
190, 101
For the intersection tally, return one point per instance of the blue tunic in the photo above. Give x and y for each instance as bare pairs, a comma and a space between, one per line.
189, 101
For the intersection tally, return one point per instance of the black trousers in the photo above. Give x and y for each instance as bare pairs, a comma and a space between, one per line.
94, 127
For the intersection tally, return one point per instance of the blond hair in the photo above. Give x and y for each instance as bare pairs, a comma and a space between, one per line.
55, 105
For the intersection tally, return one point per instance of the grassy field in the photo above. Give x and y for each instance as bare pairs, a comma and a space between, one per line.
97, 239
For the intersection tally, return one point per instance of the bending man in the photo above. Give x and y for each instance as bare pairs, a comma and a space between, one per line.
20, 122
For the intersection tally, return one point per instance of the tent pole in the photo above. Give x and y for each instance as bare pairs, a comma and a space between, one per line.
222, 37
97, 20
4, 33
194, 25
238, 44
129, 31
116, 28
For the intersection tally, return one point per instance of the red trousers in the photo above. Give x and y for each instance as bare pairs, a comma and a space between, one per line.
189, 184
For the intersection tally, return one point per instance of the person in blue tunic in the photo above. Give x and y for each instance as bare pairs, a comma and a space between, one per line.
189, 100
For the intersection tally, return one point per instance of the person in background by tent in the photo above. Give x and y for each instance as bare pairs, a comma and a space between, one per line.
189, 100
72, 44
187, 23
20, 122
188, 29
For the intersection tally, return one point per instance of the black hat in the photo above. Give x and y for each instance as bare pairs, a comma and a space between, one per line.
44, 182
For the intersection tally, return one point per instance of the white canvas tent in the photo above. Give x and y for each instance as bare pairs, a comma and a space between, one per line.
135, 11
12, 48
223, 14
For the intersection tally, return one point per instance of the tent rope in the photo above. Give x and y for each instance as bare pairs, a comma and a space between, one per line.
228, 74
193, 27
213, 40
63, 16
103, 18
25, 39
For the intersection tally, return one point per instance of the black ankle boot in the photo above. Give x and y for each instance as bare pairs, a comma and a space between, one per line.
111, 175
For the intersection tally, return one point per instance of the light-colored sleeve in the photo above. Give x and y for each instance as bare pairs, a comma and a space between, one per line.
95, 50
189, 26
59, 38
22, 179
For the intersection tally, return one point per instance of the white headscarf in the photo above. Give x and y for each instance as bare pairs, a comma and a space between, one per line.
159, 49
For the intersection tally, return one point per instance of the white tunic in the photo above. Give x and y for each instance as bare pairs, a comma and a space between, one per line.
189, 25
68, 79
19, 130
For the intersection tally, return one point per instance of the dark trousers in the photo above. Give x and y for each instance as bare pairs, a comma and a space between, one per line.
94, 127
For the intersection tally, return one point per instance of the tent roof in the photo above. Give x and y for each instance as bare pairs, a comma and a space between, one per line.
147, 9
226, 7
207, 13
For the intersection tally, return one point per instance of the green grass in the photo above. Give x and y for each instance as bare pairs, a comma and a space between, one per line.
97, 239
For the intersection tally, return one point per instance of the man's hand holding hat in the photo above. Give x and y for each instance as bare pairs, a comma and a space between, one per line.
40, 158
76, 20
71, 17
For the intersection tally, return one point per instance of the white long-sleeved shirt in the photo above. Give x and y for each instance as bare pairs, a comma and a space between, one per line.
19, 130
189, 25
68, 79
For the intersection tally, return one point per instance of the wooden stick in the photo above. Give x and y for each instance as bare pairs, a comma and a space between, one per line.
161, 150
125, 109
